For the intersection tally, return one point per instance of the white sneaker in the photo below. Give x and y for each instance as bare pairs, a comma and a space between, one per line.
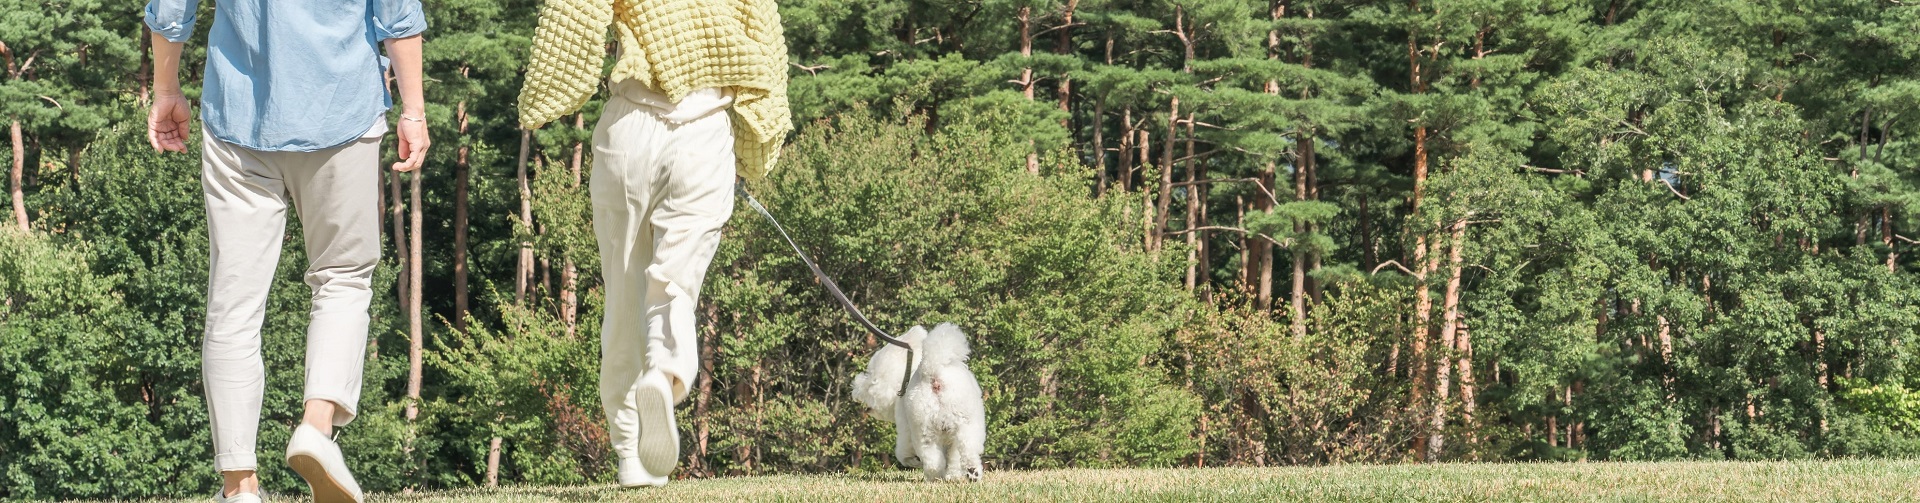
317, 459
659, 436
632, 474
220, 496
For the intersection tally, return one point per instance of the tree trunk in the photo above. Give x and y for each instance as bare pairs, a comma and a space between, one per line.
1886, 233
1160, 208
1099, 147
1246, 252
1125, 154
1449, 332
1423, 261
1197, 201
702, 419
569, 273
1194, 270
1026, 77
1065, 48
1147, 196
1302, 169
397, 216
1262, 248
461, 173
1464, 349
1665, 333
1820, 367
15, 188
415, 330
523, 271
1366, 236
145, 74
493, 462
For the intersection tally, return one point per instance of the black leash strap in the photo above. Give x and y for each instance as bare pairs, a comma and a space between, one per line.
832, 288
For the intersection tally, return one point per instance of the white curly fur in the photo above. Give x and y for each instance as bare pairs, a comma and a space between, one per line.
942, 429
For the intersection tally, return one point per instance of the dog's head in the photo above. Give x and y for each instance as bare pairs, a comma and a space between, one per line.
879, 386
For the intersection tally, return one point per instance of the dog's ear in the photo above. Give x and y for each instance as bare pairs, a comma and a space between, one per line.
881, 403
914, 336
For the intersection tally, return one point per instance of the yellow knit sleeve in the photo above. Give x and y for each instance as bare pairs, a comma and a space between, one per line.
569, 47
765, 119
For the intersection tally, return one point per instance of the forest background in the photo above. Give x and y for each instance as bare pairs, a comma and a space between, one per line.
1181, 233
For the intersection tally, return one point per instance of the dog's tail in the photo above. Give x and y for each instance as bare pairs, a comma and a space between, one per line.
946, 346
880, 384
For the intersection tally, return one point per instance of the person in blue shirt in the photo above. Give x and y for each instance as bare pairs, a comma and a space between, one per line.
293, 111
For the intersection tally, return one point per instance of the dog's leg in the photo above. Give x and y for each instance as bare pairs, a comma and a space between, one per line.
956, 462
933, 459
905, 444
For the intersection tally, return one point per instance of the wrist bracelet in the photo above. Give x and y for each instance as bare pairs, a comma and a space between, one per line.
415, 119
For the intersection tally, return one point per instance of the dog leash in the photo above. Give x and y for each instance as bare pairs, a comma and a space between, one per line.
832, 288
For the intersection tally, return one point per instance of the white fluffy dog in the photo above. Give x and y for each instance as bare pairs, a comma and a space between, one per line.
941, 422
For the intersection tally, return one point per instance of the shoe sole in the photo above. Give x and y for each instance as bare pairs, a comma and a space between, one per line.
322, 484
659, 451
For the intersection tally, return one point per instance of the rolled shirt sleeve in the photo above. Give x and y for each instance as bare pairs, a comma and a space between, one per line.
393, 18
172, 19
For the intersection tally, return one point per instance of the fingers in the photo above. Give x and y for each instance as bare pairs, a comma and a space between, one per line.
167, 136
177, 141
413, 153
167, 128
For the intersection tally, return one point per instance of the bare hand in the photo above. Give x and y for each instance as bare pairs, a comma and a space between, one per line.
167, 122
413, 145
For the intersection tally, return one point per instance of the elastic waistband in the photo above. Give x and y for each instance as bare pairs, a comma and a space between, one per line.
694, 106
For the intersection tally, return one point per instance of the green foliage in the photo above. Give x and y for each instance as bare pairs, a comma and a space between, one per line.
1684, 230
1891, 404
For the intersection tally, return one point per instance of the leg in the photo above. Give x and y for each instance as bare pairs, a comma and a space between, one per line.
697, 202
957, 465
695, 199
622, 191
246, 220
933, 459
906, 442
336, 194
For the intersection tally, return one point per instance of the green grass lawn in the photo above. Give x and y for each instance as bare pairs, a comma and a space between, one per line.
1681, 481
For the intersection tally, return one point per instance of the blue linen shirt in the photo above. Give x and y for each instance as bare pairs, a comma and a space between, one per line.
292, 75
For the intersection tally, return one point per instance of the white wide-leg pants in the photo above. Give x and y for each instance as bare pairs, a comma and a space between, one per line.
335, 191
661, 190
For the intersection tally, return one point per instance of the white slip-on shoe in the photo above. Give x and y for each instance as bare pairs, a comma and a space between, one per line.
220, 496
659, 436
317, 459
633, 474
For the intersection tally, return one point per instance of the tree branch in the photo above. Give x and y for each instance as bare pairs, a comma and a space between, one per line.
1676, 191
1395, 264
812, 70
1268, 239
1573, 172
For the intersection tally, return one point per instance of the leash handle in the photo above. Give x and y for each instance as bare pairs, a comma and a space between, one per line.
832, 288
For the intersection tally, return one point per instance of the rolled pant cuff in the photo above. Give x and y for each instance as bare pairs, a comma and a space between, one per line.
235, 462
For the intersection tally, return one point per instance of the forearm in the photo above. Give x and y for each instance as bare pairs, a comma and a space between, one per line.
405, 56
166, 65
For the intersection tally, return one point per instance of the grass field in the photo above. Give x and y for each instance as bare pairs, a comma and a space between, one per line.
1680, 481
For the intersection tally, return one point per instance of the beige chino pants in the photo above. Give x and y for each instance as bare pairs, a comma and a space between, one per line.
335, 192
661, 191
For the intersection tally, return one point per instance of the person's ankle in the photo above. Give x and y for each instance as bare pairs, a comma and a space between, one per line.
237, 482
319, 415
324, 427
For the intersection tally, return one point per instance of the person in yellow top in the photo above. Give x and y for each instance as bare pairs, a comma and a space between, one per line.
698, 97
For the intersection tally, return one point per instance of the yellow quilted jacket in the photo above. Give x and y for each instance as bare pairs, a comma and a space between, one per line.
676, 47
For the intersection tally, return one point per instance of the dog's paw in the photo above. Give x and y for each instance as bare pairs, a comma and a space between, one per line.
911, 461
973, 474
